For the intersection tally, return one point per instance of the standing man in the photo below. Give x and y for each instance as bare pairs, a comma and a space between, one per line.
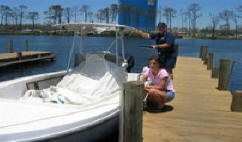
165, 43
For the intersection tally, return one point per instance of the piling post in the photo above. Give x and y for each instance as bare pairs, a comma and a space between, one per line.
26, 45
210, 61
19, 55
10, 46
133, 111
236, 104
215, 72
203, 53
223, 82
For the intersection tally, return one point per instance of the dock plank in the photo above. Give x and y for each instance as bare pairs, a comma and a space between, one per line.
8, 59
200, 111
24, 53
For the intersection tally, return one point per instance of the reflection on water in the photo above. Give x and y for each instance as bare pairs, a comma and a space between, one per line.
61, 45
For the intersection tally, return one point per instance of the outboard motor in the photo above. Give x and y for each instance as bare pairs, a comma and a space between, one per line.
131, 63
78, 59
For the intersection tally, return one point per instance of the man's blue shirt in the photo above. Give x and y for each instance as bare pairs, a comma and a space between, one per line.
166, 37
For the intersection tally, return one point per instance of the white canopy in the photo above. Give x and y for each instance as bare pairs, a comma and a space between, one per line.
93, 27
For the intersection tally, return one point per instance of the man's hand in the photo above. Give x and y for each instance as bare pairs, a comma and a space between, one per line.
154, 46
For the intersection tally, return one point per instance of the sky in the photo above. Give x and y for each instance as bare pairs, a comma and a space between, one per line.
207, 6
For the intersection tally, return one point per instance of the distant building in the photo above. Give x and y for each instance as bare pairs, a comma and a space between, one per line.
140, 14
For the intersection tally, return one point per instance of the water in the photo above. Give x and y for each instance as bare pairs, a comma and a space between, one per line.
61, 45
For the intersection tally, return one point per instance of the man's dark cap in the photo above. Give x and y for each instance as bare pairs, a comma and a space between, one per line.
161, 25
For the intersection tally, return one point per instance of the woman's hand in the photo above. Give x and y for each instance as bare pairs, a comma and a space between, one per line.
149, 87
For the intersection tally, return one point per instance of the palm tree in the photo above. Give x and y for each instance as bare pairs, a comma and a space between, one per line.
56, 13
169, 13
90, 15
68, 14
106, 13
114, 12
75, 10
194, 8
188, 19
98, 16
85, 8
215, 21
15, 15
22, 7
7, 13
235, 19
33, 16
226, 15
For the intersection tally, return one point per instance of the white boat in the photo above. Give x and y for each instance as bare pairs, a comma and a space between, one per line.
82, 104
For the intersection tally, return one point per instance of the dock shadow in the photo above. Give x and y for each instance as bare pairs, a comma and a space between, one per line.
166, 108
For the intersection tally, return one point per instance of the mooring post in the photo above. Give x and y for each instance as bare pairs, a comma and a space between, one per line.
203, 53
10, 46
236, 104
133, 111
210, 61
223, 82
19, 55
215, 72
26, 45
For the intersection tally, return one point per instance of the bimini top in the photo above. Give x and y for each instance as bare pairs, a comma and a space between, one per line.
93, 27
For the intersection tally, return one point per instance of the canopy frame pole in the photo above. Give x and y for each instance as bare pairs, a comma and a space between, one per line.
117, 58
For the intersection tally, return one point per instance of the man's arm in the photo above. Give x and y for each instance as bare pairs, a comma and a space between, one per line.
143, 34
169, 42
165, 45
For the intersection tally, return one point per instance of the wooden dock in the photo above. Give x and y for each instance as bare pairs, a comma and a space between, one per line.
201, 113
8, 59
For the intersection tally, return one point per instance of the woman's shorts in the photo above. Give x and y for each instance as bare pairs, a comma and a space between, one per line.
170, 96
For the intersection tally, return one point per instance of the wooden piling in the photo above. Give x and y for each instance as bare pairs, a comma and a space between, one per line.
26, 45
210, 61
236, 104
215, 72
223, 82
10, 46
133, 111
203, 53
19, 55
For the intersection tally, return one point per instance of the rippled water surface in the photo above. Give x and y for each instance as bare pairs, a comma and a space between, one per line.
61, 45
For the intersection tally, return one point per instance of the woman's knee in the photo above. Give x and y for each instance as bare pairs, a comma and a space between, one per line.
156, 99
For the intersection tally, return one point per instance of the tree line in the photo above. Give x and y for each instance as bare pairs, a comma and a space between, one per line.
56, 14
192, 13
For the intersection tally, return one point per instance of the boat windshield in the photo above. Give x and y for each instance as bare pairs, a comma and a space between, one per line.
83, 29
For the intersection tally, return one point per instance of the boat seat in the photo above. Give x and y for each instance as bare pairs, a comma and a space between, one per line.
43, 83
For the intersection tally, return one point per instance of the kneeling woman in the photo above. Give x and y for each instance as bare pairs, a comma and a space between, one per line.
161, 90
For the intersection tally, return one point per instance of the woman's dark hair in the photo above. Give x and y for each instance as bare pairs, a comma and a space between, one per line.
157, 59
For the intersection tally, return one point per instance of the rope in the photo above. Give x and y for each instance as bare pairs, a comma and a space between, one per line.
71, 52
110, 46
